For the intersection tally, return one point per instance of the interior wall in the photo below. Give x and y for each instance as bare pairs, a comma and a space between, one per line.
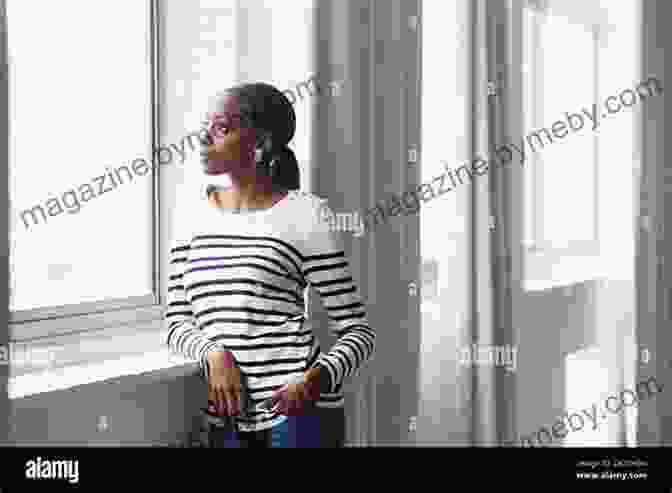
138, 410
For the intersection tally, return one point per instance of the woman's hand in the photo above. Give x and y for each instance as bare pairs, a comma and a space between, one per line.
293, 398
224, 383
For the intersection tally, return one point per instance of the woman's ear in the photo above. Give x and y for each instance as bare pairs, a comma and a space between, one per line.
264, 146
258, 154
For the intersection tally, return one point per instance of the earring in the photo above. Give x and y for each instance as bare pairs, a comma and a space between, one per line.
262, 167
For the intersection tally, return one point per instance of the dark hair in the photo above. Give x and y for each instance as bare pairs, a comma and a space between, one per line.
268, 110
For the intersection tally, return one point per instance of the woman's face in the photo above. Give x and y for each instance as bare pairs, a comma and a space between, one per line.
230, 146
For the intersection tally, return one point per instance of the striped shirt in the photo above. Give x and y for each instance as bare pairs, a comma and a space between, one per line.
238, 281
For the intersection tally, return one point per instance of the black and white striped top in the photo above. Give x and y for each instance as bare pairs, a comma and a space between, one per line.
238, 281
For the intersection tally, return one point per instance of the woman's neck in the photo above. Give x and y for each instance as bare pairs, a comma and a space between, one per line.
247, 192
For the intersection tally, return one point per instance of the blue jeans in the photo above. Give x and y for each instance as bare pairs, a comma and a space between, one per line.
317, 428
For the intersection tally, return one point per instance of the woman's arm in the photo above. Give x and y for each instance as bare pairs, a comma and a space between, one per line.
327, 269
183, 335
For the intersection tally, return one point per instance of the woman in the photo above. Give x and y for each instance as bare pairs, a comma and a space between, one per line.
239, 271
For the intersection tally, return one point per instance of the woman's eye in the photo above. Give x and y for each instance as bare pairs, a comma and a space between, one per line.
221, 128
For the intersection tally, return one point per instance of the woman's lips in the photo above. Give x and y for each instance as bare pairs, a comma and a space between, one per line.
211, 168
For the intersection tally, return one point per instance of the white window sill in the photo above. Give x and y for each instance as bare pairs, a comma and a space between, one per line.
87, 373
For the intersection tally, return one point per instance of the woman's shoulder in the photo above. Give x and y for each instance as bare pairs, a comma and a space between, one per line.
307, 212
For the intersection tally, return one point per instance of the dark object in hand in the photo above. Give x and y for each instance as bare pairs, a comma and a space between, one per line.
229, 423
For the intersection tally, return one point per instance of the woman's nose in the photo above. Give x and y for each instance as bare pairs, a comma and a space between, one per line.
205, 138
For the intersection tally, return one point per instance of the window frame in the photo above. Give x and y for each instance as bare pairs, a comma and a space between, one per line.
54, 321
580, 261
533, 242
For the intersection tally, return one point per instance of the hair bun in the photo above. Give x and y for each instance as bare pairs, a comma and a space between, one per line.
285, 151
286, 172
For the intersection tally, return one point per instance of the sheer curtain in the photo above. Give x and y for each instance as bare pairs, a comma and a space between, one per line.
444, 414
340, 146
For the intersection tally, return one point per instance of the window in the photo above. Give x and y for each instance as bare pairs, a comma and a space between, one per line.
560, 60
82, 189
82, 259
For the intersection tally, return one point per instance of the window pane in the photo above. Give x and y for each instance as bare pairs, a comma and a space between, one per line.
569, 163
80, 115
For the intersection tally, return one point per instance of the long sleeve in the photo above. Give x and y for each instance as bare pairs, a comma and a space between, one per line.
183, 334
327, 269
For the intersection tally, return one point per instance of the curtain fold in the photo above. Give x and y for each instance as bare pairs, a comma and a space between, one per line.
483, 315
340, 151
360, 147
502, 209
496, 112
